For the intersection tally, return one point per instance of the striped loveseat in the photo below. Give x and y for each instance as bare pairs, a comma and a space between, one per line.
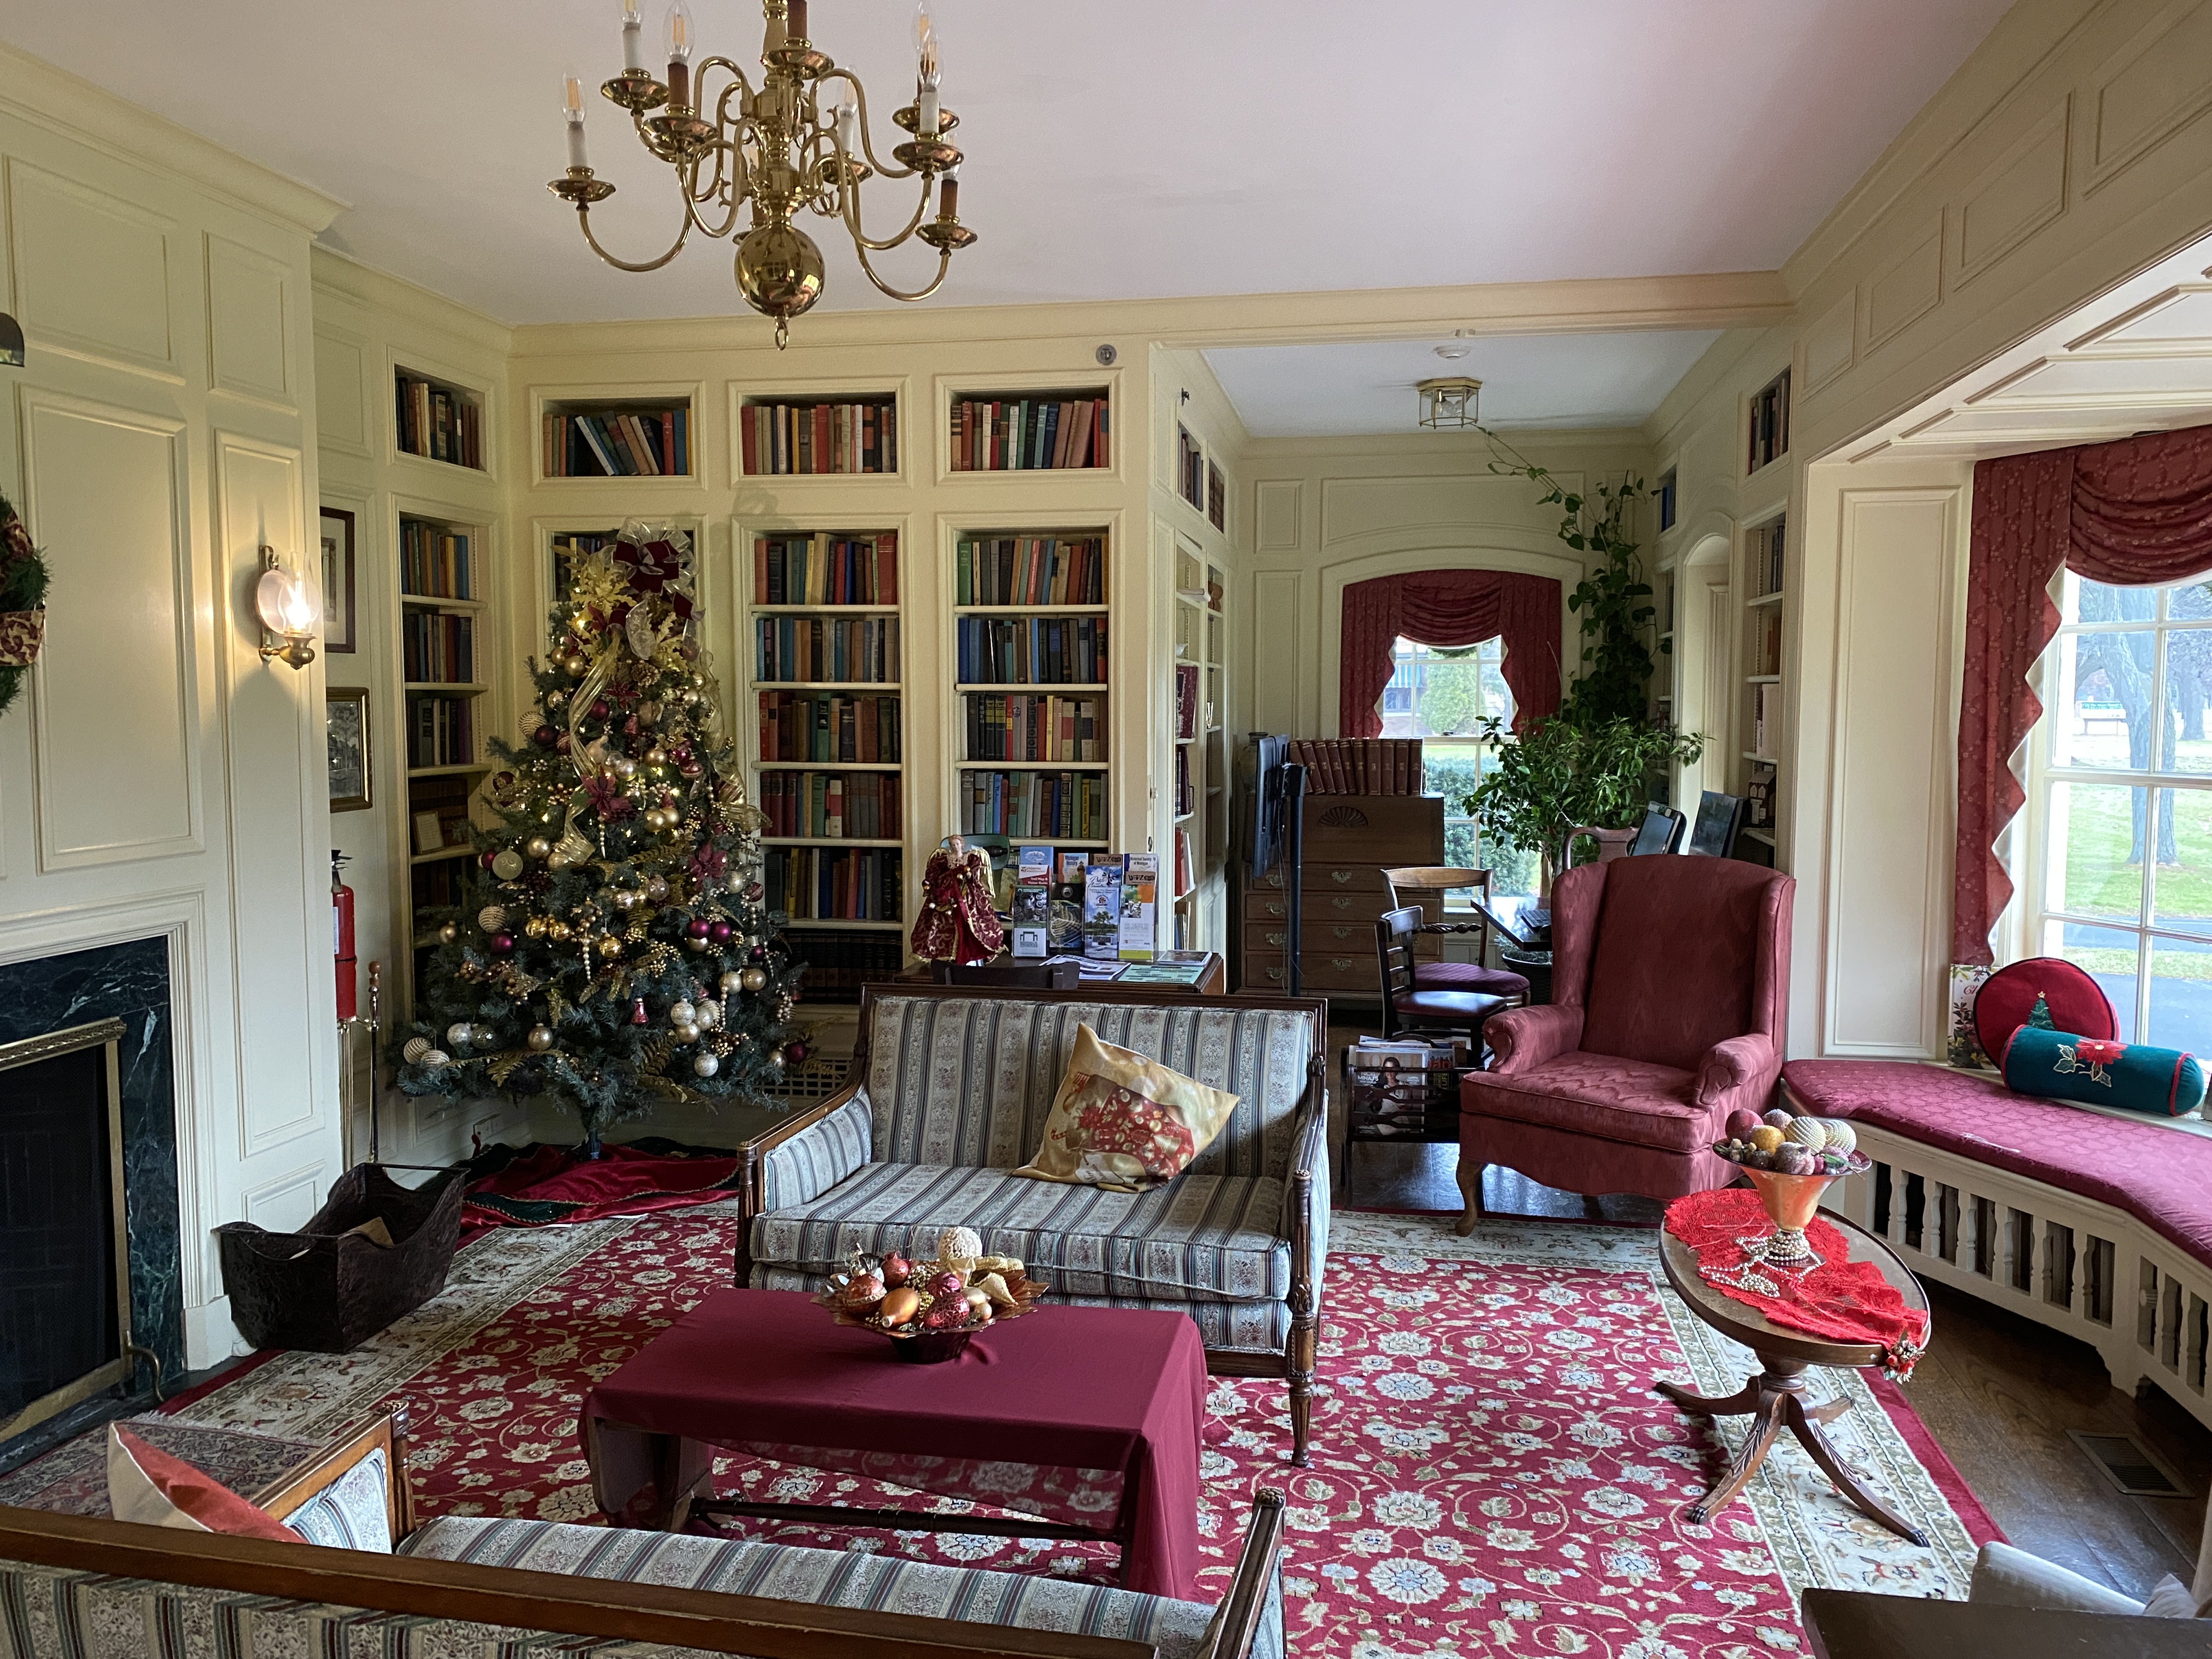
948, 1095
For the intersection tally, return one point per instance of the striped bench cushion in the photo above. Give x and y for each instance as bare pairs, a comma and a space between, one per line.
1200, 1237
354, 1512
1245, 1326
970, 1080
819, 1577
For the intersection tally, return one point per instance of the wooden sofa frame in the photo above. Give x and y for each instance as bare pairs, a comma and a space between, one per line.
386, 1433
605, 1609
1295, 1365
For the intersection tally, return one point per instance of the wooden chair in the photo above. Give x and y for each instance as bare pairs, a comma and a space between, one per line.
1409, 1011
1611, 843
1423, 887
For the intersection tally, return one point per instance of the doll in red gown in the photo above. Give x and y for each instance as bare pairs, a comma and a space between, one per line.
957, 922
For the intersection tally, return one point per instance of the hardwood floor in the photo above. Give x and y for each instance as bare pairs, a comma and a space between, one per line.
1997, 1392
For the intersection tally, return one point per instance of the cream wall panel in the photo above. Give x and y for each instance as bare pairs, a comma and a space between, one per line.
2151, 87
113, 693
1278, 663
286, 1204
1281, 508
249, 319
285, 981
2021, 193
341, 397
1828, 347
1889, 870
1910, 288
91, 270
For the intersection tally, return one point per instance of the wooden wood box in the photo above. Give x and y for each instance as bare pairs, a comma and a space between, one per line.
1350, 840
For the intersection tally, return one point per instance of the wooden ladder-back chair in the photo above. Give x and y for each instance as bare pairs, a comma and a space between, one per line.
1423, 887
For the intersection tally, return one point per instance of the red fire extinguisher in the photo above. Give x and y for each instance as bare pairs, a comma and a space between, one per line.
342, 935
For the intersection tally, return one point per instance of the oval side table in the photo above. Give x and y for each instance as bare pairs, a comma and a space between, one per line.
1776, 1398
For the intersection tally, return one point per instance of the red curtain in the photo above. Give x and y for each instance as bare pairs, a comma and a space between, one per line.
1448, 608
2133, 513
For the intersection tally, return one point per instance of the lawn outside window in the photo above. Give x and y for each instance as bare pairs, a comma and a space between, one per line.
2123, 806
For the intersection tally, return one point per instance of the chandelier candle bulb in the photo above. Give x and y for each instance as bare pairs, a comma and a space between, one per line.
848, 121
930, 72
572, 109
678, 32
948, 200
633, 40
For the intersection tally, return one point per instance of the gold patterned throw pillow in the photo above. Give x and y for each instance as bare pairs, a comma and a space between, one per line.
1125, 1122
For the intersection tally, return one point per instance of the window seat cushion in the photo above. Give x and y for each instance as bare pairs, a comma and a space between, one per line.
2158, 1173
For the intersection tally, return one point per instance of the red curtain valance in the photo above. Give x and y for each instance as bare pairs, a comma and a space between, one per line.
2133, 513
1448, 608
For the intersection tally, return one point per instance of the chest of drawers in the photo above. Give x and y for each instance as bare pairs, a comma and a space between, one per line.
1350, 840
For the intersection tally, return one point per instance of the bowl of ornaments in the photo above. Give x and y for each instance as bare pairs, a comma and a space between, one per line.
1791, 1159
930, 1309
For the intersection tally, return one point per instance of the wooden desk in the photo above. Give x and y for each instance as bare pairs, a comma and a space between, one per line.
1854, 1624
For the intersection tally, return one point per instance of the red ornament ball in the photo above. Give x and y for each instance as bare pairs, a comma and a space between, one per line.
719, 932
948, 1284
544, 737
697, 927
946, 1316
896, 1270
758, 954
794, 1052
599, 709
484, 858
502, 943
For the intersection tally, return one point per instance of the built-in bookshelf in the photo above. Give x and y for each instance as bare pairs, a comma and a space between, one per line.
849, 436
565, 550
617, 438
1030, 655
1190, 468
1047, 431
1663, 497
1768, 436
1765, 584
443, 634
1200, 827
437, 420
1666, 582
826, 656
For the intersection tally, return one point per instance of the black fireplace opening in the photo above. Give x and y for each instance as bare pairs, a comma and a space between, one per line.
64, 1284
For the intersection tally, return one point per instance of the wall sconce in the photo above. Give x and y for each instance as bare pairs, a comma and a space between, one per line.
290, 604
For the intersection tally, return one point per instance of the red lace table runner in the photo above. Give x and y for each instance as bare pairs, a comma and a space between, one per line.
1843, 1300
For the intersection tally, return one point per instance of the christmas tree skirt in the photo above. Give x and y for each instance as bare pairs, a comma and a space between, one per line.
541, 1186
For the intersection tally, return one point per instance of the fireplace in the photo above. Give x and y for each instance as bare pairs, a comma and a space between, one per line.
65, 1239
91, 1263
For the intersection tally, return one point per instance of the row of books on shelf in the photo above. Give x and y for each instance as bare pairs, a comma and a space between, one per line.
1027, 435
1769, 422
436, 646
1766, 640
844, 648
1188, 707
1190, 469
1185, 870
1764, 547
571, 548
435, 562
840, 961
1186, 793
818, 437
826, 569
1359, 766
1064, 805
1765, 719
1028, 726
439, 423
1032, 650
833, 884
619, 444
863, 805
440, 731
1041, 570
829, 727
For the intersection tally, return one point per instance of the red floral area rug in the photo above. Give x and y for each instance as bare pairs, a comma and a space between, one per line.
1492, 1475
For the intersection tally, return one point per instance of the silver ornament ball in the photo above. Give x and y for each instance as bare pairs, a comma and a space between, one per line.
681, 1013
457, 1035
686, 1031
706, 1063
540, 1038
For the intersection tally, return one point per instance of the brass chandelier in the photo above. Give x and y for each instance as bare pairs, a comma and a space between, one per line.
783, 148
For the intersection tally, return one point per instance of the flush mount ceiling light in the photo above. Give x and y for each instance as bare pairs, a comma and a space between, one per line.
290, 604
1450, 402
759, 156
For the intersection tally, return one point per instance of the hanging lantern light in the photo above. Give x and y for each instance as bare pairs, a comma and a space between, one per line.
1451, 402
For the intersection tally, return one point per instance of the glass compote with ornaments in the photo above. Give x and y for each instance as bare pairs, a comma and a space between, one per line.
1791, 1159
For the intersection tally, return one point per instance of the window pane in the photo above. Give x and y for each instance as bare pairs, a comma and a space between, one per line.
2094, 601
2101, 706
2183, 743
2109, 956
2094, 838
2181, 883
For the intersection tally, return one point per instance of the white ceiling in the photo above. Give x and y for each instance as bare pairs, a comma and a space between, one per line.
1527, 380
1117, 148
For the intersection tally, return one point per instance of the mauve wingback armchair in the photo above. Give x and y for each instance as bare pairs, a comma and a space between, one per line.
1670, 981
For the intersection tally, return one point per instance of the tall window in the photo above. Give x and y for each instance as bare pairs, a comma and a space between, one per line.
1442, 696
2126, 824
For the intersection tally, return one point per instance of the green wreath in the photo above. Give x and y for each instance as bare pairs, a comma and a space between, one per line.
22, 601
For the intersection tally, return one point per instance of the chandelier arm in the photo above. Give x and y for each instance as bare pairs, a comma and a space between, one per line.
584, 223
943, 264
867, 144
737, 82
852, 224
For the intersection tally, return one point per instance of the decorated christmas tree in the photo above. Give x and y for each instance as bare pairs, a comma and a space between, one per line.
612, 953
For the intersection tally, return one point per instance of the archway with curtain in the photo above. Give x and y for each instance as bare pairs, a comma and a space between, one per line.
1448, 608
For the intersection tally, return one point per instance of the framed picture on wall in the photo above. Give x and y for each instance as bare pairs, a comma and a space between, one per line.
345, 727
337, 580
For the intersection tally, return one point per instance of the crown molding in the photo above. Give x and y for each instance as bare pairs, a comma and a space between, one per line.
347, 277
1577, 305
58, 100
1434, 448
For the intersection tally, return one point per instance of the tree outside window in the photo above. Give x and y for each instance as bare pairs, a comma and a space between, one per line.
1442, 695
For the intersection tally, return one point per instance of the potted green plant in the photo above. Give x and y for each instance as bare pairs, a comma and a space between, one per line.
1562, 775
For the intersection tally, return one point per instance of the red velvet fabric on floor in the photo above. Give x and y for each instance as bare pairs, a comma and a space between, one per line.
545, 1185
2161, 1176
1058, 1392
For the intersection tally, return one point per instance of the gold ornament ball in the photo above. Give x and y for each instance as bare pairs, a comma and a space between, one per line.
753, 978
449, 932
573, 667
538, 848
558, 861
624, 766
779, 270
491, 918
416, 1048
686, 1031
696, 946
609, 946
656, 890
625, 900
506, 864
733, 983
540, 1038
656, 755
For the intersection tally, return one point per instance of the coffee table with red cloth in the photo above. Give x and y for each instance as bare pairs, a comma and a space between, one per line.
1860, 1306
1086, 1418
